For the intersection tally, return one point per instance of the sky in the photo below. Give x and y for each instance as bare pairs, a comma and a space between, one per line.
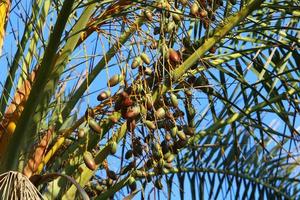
15, 28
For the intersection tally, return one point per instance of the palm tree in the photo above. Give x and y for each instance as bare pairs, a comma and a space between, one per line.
150, 99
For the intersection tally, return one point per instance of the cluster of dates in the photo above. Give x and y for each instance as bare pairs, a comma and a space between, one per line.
163, 135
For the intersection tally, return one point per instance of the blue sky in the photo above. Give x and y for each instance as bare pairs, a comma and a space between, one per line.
15, 28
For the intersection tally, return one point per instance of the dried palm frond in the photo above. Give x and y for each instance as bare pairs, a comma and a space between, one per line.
4, 11
14, 111
14, 185
36, 158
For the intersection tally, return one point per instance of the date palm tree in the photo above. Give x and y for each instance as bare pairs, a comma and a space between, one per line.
150, 99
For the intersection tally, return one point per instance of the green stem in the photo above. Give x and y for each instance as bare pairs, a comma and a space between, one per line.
33, 41
14, 66
220, 171
86, 174
237, 116
115, 188
100, 66
219, 34
24, 127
